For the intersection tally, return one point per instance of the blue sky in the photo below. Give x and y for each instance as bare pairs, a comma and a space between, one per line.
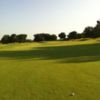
51, 16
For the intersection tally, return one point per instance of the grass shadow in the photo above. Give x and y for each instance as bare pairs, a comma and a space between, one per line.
63, 54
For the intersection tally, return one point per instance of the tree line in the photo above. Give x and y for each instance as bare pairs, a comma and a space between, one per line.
13, 38
88, 32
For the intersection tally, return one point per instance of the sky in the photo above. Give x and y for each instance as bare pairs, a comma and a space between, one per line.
48, 16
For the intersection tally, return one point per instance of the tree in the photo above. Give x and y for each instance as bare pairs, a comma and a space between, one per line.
21, 38
73, 35
79, 35
96, 30
13, 38
53, 37
5, 39
98, 22
88, 32
62, 35
38, 37
44, 37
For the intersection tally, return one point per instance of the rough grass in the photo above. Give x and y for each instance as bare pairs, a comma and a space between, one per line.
50, 71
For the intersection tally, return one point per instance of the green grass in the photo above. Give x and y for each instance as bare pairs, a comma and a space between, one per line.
50, 70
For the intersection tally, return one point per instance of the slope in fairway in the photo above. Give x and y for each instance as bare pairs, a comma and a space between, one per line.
50, 71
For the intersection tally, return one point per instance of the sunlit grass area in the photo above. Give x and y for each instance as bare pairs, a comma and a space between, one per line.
50, 70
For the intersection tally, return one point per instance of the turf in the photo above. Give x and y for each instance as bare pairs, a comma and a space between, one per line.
50, 70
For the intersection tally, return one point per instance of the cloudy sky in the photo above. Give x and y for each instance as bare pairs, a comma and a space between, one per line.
51, 16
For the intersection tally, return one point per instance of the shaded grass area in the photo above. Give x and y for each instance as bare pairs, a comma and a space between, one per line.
65, 54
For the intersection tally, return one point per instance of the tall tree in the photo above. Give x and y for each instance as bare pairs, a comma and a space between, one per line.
96, 31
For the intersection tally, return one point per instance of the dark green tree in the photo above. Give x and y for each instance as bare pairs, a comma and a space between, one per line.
73, 35
13, 38
62, 35
88, 32
79, 35
5, 39
96, 31
44, 37
53, 37
38, 37
21, 38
